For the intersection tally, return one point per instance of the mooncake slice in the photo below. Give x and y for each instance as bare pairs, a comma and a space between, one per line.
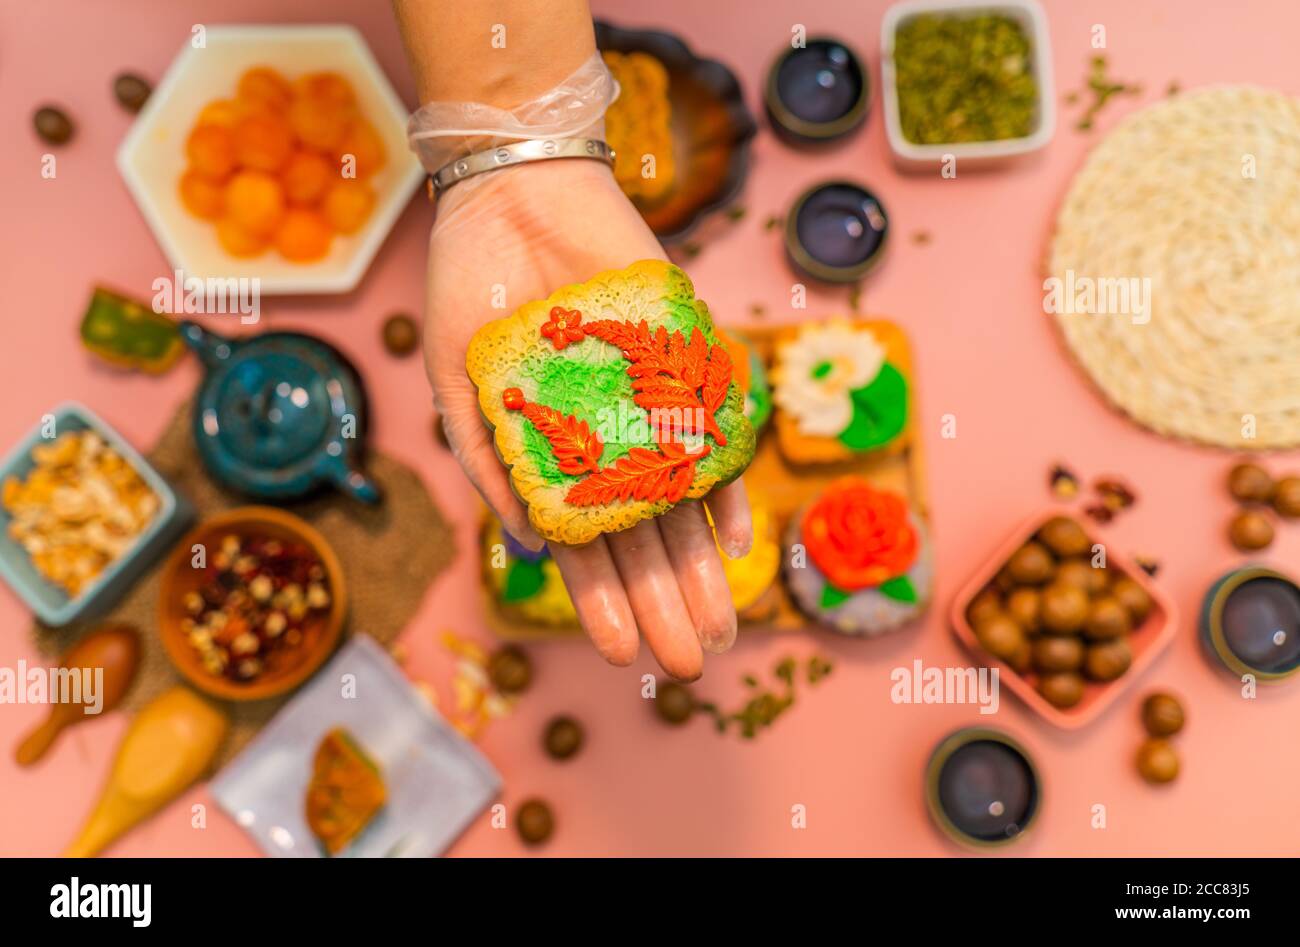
345, 793
611, 401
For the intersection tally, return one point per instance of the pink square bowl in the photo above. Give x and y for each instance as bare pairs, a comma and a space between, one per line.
1147, 641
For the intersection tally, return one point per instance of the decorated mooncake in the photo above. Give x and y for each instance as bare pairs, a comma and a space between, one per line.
525, 585
611, 401
751, 376
638, 126
753, 576
858, 559
841, 390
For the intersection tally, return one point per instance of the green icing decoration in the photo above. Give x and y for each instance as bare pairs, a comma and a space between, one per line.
524, 579
879, 411
831, 596
822, 369
899, 588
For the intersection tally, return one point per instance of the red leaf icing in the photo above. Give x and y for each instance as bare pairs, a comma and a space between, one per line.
576, 447
668, 371
641, 474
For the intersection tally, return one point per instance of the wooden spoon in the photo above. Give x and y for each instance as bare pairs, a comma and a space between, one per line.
116, 649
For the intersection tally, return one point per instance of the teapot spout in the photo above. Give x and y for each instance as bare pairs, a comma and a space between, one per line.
212, 349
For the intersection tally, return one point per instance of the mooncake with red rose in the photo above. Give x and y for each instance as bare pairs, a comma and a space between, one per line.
858, 559
611, 401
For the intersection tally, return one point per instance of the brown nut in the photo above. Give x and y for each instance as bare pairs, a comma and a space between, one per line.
1286, 497
1023, 605
1023, 658
1058, 653
1064, 536
674, 703
563, 738
1074, 572
1157, 761
1108, 660
401, 335
1062, 689
53, 125
510, 670
1001, 637
1130, 593
1064, 608
1250, 530
131, 91
1031, 564
534, 822
1250, 483
983, 607
1003, 581
1107, 618
1162, 715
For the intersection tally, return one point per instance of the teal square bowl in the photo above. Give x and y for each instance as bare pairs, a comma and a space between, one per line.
51, 604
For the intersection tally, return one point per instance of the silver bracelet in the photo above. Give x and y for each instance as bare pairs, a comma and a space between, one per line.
522, 152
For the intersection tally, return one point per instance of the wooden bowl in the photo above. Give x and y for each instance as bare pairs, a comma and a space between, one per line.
1147, 641
285, 669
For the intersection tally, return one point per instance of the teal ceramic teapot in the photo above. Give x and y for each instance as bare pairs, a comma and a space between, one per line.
279, 414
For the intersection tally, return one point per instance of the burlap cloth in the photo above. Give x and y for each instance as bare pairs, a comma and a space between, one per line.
390, 553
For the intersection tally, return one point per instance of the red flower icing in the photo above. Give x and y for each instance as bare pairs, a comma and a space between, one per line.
564, 327
859, 536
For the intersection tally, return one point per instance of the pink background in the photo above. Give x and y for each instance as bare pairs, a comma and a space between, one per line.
971, 301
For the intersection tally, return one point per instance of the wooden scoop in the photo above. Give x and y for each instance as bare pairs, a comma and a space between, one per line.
116, 649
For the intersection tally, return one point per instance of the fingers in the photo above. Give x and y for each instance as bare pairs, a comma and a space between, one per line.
471, 442
652, 589
729, 506
688, 541
598, 597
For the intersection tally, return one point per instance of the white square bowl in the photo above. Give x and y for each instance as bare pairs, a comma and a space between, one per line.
909, 156
151, 159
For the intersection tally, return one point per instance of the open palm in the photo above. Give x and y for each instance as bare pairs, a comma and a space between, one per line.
525, 232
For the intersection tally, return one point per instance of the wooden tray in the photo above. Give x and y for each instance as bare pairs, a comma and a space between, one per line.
785, 488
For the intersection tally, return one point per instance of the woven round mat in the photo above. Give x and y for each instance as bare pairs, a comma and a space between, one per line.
1200, 195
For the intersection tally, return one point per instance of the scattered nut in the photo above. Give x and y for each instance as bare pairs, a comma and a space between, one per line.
400, 334
1162, 715
1157, 761
1250, 530
1250, 483
674, 703
563, 738
131, 91
534, 822
53, 125
510, 670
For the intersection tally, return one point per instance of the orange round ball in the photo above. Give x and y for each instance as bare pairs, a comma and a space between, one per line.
304, 237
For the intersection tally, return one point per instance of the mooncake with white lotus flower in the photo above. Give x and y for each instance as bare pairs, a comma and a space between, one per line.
842, 390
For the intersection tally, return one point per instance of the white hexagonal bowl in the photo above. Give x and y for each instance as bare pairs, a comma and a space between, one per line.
152, 157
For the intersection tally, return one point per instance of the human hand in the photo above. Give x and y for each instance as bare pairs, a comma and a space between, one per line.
532, 229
